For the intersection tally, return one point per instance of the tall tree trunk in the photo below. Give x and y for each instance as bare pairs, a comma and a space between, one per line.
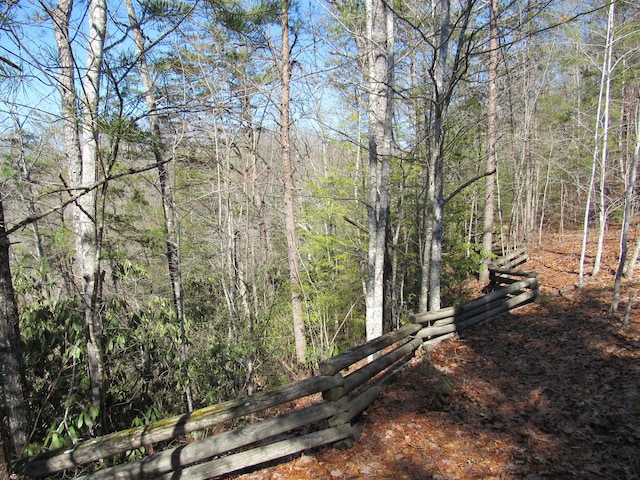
598, 147
12, 369
424, 218
436, 181
602, 207
492, 131
445, 77
379, 66
85, 218
82, 160
289, 200
630, 182
170, 231
544, 204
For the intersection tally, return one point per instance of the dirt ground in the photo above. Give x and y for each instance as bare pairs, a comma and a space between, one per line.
549, 391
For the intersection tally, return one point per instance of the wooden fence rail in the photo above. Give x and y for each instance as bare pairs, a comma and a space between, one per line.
348, 383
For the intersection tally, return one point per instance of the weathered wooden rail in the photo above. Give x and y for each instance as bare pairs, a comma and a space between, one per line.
510, 288
349, 383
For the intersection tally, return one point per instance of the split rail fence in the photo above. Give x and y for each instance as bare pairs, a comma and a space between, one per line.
348, 382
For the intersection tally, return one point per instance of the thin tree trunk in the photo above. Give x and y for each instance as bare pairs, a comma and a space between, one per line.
628, 209
170, 231
500, 219
631, 264
289, 201
526, 220
492, 131
394, 287
606, 75
562, 207
12, 369
425, 266
544, 203
436, 183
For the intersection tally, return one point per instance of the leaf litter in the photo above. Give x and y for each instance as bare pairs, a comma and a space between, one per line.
548, 391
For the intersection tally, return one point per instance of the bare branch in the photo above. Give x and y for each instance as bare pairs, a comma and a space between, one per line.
466, 184
83, 191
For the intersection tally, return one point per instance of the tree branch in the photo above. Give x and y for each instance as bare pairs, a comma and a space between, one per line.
83, 191
466, 184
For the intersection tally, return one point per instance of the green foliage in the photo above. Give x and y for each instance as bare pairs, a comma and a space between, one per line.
219, 370
164, 9
245, 19
333, 272
54, 353
461, 259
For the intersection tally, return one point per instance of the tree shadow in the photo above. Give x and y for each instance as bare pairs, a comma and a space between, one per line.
554, 386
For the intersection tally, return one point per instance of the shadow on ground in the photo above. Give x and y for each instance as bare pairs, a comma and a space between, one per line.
550, 391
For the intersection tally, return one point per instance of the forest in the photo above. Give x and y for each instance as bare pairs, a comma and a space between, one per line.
203, 199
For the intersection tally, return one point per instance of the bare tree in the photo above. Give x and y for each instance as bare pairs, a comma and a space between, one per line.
168, 208
630, 183
446, 74
601, 133
289, 200
492, 131
379, 77
82, 159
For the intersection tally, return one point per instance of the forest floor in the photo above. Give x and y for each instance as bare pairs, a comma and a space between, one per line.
549, 391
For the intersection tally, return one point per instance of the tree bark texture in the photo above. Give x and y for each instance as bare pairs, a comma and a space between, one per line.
436, 165
626, 221
379, 74
289, 199
492, 134
606, 75
82, 164
445, 73
12, 369
85, 218
599, 146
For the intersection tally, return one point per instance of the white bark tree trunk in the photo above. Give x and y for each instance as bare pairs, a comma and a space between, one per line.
446, 73
82, 164
630, 182
380, 44
436, 181
85, 218
601, 148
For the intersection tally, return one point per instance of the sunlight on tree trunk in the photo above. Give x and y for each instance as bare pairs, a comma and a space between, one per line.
492, 133
86, 214
289, 200
630, 183
600, 146
380, 80
82, 160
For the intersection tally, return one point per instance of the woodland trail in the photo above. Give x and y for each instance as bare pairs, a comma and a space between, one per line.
550, 391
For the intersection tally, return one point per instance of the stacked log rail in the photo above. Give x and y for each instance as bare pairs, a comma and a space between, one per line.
349, 383
330, 421
509, 289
